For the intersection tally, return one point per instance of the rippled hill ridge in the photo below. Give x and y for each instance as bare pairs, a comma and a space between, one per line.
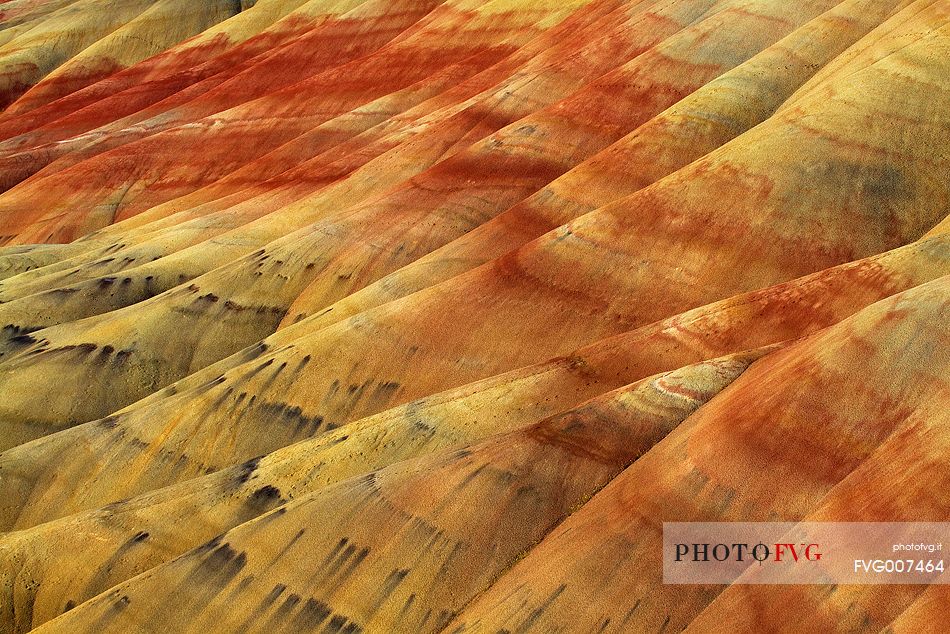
359, 316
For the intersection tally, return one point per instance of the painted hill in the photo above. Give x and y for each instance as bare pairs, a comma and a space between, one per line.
392, 316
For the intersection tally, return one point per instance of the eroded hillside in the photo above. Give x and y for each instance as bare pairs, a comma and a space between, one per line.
423, 315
